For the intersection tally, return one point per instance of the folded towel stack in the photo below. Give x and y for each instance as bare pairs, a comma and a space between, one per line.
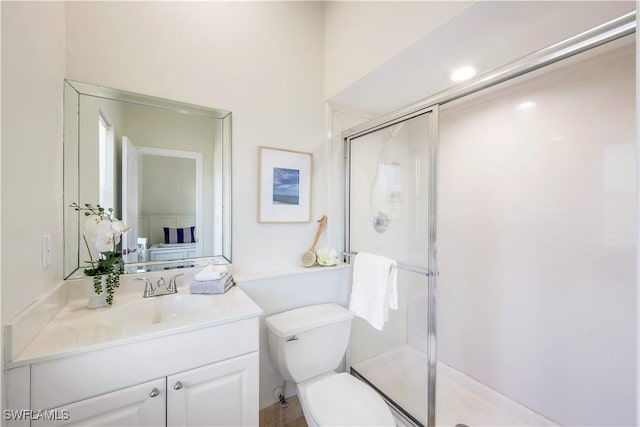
211, 280
211, 272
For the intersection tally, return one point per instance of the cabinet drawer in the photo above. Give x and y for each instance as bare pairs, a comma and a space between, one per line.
70, 379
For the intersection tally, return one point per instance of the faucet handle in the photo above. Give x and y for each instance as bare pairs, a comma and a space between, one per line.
148, 287
172, 284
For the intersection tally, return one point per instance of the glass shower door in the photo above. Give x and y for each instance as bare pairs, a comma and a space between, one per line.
391, 212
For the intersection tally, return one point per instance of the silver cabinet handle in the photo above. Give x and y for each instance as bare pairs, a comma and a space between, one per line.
154, 392
178, 385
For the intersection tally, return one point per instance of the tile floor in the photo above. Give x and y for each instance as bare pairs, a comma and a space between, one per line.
277, 416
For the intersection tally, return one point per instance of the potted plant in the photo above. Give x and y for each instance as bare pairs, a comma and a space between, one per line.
104, 231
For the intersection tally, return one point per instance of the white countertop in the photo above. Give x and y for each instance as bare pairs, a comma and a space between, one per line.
76, 329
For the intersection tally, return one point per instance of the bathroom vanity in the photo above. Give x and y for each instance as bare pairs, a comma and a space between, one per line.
171, 360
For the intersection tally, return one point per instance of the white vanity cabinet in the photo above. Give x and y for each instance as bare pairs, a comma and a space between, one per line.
220, 394
205, 374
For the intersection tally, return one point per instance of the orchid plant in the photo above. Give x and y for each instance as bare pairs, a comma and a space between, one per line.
104, 231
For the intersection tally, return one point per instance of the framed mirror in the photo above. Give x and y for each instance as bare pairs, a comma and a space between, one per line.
163, 166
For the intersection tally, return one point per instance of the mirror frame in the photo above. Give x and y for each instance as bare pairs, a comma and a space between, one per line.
73, 90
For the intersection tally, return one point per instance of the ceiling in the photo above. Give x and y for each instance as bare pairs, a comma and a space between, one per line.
487, 35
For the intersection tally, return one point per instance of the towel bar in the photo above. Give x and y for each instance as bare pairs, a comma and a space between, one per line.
403, 266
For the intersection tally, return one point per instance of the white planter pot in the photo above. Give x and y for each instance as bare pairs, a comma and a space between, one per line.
99, 300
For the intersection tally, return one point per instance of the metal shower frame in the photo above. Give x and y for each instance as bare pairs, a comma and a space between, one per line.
613, 30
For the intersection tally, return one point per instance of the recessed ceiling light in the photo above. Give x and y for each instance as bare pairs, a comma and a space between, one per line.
527, 105
463, 73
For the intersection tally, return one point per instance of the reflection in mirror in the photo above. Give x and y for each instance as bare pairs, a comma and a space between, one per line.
164, 167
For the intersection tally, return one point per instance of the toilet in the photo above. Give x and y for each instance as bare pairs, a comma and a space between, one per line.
307, 345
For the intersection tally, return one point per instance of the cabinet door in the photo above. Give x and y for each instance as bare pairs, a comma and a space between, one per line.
221, 394
140, 405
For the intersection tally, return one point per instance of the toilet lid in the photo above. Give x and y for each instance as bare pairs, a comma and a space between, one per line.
342, 400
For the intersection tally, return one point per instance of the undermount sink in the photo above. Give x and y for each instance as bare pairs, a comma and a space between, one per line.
155, 310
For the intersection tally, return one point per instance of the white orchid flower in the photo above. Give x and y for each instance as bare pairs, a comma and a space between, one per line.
103, 227
91, 223
327, 256
119, 227
104, 243
105, 235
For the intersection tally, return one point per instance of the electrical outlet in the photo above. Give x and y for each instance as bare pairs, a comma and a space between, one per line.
46, 250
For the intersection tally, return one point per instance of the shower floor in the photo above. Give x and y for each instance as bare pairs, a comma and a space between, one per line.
401, 376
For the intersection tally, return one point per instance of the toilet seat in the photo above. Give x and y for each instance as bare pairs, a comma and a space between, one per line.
343, 400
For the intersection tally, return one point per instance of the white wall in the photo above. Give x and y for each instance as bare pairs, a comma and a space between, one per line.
361, 35
263, 61
168, 176
33, 69
637, 145
1, 340
537, 240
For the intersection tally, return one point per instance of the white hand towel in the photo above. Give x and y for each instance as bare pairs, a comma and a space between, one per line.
211, 272
374, 289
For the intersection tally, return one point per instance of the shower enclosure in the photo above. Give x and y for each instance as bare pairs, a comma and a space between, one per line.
533, 167
394, 216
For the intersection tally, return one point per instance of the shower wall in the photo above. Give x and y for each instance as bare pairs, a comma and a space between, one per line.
537, 201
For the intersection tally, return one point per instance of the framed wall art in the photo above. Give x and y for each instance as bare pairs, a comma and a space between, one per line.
284, 185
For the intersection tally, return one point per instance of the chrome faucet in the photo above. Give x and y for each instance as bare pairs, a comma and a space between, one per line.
173, 289
161, 288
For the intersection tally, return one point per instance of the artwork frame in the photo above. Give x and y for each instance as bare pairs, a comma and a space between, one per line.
284, 185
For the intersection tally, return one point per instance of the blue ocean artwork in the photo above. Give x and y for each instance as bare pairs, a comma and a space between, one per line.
286, 186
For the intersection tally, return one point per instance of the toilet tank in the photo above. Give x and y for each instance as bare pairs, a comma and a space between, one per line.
308, 341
